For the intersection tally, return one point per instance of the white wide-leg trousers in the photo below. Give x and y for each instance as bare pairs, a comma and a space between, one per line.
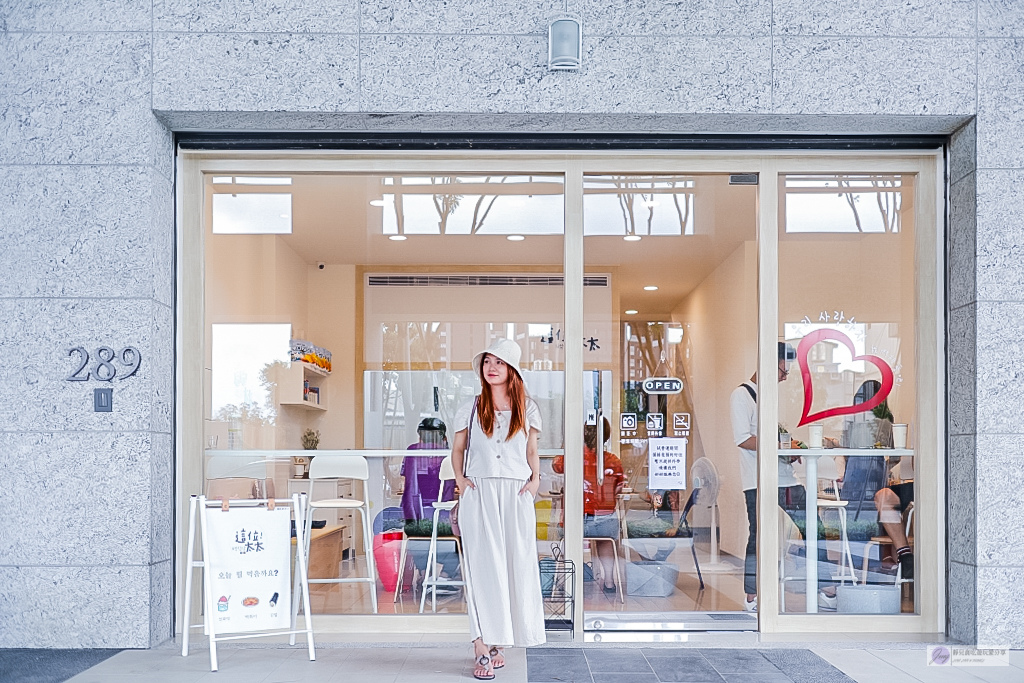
499, 537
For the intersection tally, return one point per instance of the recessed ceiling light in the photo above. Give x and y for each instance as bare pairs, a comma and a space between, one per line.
632, 238
631, 311
397, 238
515, 238
650, 288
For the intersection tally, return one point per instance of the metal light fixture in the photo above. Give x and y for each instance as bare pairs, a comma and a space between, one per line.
565, 45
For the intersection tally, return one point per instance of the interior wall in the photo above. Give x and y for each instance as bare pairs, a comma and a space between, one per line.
720, 322
332, 324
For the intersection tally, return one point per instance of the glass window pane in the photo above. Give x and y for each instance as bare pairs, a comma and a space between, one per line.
847, 393
354, 329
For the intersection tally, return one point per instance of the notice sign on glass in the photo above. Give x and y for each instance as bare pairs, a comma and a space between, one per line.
248, 568
666, 461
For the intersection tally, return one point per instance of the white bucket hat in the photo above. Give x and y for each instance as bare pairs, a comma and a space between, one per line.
505, 349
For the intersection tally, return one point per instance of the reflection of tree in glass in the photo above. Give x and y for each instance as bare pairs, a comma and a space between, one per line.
631, 190
254, 412
888, 203
445, 204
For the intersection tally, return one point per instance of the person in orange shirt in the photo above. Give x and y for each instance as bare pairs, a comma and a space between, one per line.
599, 513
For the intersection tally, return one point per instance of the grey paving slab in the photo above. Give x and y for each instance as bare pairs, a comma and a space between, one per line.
803, 666
739, 662
617, 660
626, 678
23, 665
570, 667
684, 669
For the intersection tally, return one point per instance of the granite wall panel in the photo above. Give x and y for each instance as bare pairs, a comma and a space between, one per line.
467, 17
75, 606
162, 240
161, 498
34, 363
59, 242
963, 151
161, 602
1000, 613
245, 16
962, 602
961, 242
255, 71
1000, 92
1000, 374
898, 18
84, 494
629, 75
699, 18
842, 76
1000, 235
962, 495
75, 16
76, 98
961, 374
506, 74
1000, 18
1000, 469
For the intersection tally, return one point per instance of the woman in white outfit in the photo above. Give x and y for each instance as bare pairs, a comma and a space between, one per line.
499, 478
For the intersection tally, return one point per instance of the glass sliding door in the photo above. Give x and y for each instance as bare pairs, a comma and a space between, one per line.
670, 330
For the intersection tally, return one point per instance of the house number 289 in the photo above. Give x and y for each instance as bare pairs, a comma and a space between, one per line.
104, 368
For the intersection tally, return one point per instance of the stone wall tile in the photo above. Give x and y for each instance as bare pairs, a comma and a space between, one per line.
942, 18
245, 16
961, 241
961, 372
702, 18
459, 16
75, 98
633, 75
1000, 18
161, 499
58, 240
81, 498
34, 363
76, 15
1000, 229
963, 151
500, 74
1000, 373
963, 609
75, 607
962, 498
162, 145
927, 76
1000, 613
1000, 468
161, 609
253, 72
1000, 92
162, 240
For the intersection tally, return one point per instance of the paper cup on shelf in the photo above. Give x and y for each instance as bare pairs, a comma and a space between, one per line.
785, 440
815, 436
899, 436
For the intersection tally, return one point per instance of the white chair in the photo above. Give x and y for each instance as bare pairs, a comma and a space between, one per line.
885, 540
431, 579
332, 468
597, 562
828, 499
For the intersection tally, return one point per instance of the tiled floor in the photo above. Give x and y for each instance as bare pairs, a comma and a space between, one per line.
447, 659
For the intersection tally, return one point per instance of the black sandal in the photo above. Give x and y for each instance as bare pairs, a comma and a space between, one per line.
484, 662
495, 652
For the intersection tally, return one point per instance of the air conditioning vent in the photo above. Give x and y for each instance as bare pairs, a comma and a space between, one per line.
743, 179
479, 281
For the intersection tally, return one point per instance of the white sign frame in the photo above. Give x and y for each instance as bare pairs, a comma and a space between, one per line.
199, 508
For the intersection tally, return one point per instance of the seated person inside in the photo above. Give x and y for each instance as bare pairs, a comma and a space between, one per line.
599, 512
422, 485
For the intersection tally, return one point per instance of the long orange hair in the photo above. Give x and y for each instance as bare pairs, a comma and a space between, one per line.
516, 391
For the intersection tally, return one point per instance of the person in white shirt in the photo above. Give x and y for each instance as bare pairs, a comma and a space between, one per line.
498, 478
743, 410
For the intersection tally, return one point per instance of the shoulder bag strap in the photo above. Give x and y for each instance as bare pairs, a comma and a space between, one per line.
750, 390
469, 436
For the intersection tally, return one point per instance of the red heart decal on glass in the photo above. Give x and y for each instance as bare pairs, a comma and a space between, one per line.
805, 372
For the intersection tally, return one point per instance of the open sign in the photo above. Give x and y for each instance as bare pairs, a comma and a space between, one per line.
662, 385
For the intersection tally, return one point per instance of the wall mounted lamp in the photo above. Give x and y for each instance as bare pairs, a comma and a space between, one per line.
565, 45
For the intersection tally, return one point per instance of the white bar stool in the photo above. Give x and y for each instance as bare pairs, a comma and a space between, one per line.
431, 580
334, 467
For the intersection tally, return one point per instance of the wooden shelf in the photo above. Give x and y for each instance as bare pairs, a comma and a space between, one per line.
304, 404
310, 369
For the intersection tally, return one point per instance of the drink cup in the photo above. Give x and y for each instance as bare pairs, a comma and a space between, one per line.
785, 440
899, 436
815, 436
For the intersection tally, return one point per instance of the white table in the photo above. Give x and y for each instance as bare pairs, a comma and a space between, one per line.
811, 456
